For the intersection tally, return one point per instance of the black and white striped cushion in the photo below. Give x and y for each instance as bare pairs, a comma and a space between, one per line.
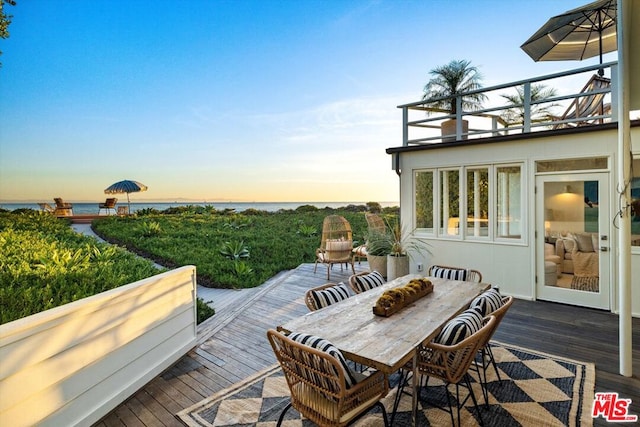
369, 281
460, 327
324, 345
449, 273
487, 302
326, 297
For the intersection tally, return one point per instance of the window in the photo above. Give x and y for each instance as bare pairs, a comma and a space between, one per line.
509, 202
477, 220
449, 203
489, 198
424, 200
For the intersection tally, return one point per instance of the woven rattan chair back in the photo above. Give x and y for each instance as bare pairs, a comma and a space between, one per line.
318, 387
472, 275
375, 223
336, 245
451, 363
589, 105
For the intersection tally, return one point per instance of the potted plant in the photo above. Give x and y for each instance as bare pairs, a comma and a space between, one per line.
447, 82
401, 244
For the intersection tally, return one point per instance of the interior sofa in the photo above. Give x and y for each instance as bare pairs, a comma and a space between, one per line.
578, 253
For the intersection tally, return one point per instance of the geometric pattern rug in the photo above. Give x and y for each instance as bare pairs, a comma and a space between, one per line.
536, 390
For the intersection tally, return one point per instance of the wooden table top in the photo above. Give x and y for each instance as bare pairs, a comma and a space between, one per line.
387, 343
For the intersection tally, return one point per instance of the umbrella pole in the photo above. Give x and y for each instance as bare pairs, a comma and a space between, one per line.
128, 204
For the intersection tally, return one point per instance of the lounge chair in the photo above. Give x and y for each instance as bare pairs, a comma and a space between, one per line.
63, 208
336, 244
588, 107
108, 205
46, 207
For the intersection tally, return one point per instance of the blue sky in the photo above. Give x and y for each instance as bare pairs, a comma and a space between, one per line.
235, 100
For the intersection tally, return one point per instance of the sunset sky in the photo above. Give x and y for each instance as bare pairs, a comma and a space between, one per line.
235, 100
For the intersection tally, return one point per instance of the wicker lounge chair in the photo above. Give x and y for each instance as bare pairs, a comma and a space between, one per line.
63, 208
456, 273
46, 207
336, 244
108, 205
318, 387
375, 224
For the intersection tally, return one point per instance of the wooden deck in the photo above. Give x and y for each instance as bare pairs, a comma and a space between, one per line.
233, 345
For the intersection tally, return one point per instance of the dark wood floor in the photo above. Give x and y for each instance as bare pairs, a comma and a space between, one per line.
234, 346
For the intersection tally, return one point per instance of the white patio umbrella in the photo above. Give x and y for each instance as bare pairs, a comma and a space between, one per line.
577, 34
126, 186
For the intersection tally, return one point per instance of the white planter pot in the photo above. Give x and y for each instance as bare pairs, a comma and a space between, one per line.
397, 266
378, 263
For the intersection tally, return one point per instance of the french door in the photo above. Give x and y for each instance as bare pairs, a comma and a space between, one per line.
573, 244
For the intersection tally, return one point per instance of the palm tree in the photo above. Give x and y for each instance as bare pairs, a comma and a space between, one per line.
539, 112
452, 79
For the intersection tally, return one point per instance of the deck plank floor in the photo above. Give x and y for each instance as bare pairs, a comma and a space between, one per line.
233, 345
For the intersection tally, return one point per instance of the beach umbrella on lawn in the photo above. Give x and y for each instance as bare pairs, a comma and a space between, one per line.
577, 34
126, 186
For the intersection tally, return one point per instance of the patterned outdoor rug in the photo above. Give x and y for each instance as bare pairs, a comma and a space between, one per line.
585, 283
537, 389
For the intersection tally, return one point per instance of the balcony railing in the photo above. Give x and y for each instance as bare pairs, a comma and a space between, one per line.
594, 103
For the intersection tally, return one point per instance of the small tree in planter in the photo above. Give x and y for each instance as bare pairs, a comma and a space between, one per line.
448, 81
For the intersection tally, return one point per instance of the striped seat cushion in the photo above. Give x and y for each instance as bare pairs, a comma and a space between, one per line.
460, 327
328, 296
449, 273
325, 346
487, 302
369, 281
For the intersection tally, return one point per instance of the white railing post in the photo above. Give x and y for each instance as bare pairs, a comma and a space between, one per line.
527, 107
458, 117
614, 93
405, 126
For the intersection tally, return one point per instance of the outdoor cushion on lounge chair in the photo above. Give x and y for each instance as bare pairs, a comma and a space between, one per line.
108, 204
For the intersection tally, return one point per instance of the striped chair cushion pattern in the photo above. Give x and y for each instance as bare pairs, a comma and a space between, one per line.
328, 296
488, 301
369, 281
325, 346
460, 327
450, 273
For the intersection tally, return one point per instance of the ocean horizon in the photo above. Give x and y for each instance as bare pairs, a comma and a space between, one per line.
91, 208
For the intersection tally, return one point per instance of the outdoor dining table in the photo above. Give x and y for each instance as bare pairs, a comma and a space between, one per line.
387, 343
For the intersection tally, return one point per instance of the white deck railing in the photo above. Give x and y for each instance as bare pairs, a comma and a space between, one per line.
73, 364
422, 124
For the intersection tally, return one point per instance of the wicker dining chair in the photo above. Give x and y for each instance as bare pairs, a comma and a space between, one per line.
325, 295
485, 355
318, 386
336, 245
455, 273
449, 363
